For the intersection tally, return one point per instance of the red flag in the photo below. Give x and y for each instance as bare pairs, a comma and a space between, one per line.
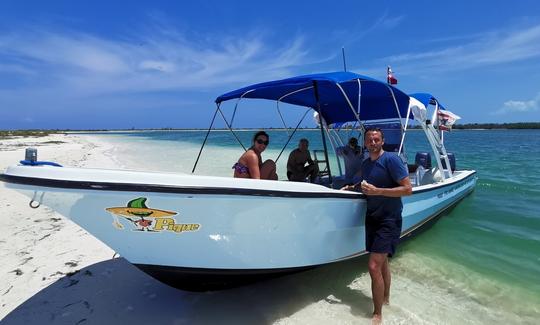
446, 119
390, 79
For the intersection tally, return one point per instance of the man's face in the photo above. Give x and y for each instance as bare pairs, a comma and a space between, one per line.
303, 146
373, 141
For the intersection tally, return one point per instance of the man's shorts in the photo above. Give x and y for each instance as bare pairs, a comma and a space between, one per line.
382, 236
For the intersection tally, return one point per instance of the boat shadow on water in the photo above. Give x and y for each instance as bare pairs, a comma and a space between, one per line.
114, 291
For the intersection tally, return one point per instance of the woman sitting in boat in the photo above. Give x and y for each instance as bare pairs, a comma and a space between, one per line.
250, 164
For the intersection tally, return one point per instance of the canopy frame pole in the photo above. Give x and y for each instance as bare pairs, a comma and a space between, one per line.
290, 137
348, 102
321, 121
234, 111
396, 105
205, 138
357, 112
404, 130
281, 117
230, 128
236, 105
334, 143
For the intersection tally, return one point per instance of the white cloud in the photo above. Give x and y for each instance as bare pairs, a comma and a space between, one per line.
162, 66
482, 50
391, 22
519, 106
80, 64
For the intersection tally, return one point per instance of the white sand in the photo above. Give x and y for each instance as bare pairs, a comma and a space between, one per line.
39, 246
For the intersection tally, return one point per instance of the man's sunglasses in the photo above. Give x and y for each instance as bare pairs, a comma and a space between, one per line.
261, 141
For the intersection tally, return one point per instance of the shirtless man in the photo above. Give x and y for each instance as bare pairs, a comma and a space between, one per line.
297, 171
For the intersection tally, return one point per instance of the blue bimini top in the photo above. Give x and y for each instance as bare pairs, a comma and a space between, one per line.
342, 96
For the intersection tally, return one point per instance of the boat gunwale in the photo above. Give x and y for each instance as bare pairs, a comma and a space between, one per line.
138, 187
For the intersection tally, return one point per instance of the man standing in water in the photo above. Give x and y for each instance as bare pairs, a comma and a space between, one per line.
385, 180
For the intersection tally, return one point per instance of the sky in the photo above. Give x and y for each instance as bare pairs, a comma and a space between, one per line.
160, 64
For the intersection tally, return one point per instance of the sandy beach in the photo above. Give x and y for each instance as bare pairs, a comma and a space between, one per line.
39, 247
56, 273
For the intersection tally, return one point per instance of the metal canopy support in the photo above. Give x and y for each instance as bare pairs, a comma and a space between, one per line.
205, 138
230, 128
348, 101
290, 136
404, 130
321, 119
281, 117
238, 102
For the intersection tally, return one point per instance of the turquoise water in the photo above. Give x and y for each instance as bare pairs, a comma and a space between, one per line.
485, 252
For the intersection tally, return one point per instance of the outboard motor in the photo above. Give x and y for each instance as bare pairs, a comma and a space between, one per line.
452, 160
423, 159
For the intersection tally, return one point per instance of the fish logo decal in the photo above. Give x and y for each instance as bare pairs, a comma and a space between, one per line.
144, 218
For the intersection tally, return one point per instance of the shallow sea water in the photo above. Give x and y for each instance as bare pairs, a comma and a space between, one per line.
479, 264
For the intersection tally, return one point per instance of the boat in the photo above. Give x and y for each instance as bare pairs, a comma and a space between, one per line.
204, 232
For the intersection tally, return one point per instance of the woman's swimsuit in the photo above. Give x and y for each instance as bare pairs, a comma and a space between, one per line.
240, 168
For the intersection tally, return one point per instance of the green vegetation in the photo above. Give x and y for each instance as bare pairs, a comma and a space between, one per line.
521, 125
25, 133
469, 126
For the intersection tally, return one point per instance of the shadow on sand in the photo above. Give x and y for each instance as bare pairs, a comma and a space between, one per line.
114, 291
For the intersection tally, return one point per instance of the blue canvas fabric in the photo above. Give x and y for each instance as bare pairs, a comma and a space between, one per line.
376, 100
383, 215
426, 99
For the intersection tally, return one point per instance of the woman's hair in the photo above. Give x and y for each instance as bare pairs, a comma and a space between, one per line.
259, 134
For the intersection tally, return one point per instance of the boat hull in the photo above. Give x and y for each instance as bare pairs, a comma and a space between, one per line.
215, 232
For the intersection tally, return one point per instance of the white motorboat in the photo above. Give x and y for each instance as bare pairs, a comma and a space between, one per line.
200, 232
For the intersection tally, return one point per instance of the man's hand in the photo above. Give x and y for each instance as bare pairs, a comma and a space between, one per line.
369, 189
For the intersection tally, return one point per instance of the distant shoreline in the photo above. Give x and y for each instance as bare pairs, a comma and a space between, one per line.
470, 126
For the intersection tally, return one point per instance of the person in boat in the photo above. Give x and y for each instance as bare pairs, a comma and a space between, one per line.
385, 180
352, 156
250, 164
300, 165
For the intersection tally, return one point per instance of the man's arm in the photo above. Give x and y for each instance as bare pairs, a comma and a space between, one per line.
404, 189
309, 160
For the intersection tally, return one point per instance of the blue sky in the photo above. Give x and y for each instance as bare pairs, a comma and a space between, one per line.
153, 64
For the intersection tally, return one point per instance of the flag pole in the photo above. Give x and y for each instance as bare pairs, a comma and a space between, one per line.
343, 55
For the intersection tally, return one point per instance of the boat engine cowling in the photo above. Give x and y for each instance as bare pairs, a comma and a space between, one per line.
452, 160
423, 159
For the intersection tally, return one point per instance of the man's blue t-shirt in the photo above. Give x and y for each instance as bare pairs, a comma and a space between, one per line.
385, 172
